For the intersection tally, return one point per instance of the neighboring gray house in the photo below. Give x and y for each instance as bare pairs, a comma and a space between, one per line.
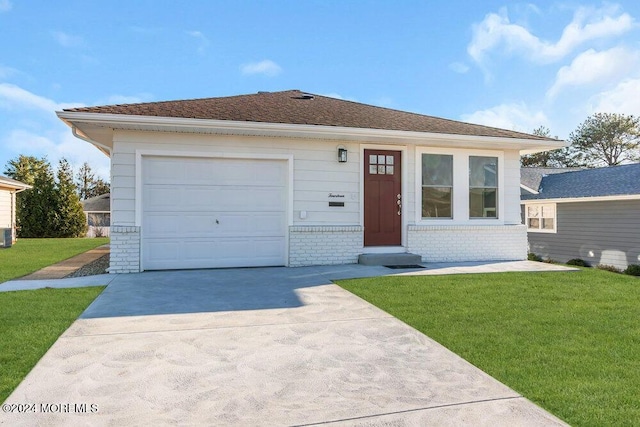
98, 212
592, 214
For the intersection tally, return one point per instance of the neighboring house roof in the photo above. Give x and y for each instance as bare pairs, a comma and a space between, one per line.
601, 182
101, 203
531, 177
7, 182
296, 107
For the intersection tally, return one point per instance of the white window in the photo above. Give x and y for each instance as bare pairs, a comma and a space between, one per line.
437, 186
483, 187
541, 218
459, 186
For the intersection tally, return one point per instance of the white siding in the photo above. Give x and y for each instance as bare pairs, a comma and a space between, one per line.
5, 209
512, 187
316, 171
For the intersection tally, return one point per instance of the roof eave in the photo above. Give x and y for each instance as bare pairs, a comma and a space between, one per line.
604, 198
92, 123
14, 185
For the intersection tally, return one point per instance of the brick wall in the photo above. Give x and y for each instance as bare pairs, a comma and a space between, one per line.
125, 249
468, 243
324, 245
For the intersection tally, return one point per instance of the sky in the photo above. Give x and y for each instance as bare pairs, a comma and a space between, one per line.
514, 65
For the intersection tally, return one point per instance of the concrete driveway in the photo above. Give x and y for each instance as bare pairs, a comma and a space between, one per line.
267, 346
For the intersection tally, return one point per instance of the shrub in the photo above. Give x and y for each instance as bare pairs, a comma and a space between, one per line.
610, 268
632, 270
533, 257
578, 262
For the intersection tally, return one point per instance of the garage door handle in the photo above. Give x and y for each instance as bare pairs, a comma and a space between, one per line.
217, 222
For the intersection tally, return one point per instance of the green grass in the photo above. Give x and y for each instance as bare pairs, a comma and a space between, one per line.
29, 255
569, 341
30, 322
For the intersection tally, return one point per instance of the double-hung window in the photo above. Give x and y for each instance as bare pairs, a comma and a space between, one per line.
541, 218
437, 186
483, 187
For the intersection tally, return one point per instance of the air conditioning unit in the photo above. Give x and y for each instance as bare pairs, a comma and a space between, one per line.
6, 237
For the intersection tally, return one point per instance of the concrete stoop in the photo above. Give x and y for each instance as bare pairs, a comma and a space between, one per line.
389, 259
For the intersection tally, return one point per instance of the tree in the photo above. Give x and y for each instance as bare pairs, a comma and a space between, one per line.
547, 159
70, 220
50, 208
606, 139
35, 208
88, 185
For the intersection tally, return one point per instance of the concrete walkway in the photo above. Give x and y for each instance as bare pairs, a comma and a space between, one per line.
263, 346
68, 266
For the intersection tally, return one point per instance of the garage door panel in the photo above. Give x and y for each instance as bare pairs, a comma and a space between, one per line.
203, 253
204, 213
241, 224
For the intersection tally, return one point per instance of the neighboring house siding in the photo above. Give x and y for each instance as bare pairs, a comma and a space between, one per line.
605, 232
5, 209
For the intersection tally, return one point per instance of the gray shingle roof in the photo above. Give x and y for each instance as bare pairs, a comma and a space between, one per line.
608, 181
532, 177
296, 107
100, 203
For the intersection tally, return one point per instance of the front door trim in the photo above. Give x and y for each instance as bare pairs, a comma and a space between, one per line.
404, 177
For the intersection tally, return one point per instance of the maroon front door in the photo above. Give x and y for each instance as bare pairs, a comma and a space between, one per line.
382, 198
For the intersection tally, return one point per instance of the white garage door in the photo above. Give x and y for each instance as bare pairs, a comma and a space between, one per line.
204, 213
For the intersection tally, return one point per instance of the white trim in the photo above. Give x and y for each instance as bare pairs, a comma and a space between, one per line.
403, 188
541, 230
530, 190
180, 124
199, 154
460, 187
384, 250
584, 199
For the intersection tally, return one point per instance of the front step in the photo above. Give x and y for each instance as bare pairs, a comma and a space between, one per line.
389, 259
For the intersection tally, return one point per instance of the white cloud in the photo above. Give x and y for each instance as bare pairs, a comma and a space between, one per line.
12, 96
5, 5
459, 67
623, 99
266, 67
592, 67
512, 116
203, 41
497, 31
55, 145
67, 40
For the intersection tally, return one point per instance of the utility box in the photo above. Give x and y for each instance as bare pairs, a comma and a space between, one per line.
6, 237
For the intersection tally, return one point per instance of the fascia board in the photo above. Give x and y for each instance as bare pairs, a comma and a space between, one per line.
619, 197
120, 121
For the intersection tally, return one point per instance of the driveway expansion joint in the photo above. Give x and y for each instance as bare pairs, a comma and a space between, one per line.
407, 411
256, 325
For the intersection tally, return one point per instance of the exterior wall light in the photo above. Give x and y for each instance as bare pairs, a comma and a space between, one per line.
342, 154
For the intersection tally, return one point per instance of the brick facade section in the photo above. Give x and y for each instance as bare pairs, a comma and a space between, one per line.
125, 249
468, 243
318, 245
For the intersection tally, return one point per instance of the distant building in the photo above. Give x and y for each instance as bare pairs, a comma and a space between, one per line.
98, 212
591, 214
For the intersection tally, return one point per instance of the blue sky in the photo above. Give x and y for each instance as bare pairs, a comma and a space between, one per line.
500, 63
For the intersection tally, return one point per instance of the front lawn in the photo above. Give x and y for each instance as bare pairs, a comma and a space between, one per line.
569, 341
29, 255
30, 322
